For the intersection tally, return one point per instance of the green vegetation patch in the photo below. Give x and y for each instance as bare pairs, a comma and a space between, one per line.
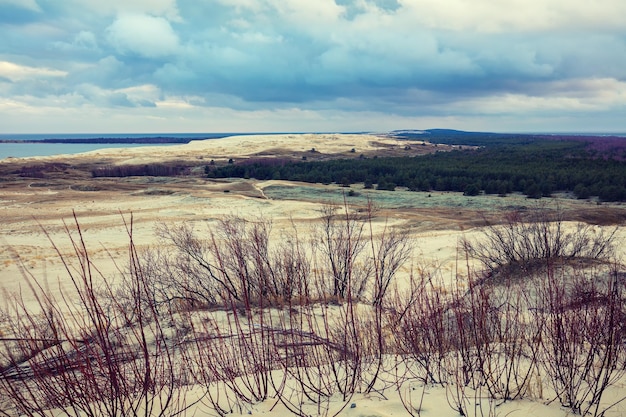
536, 169
396, 199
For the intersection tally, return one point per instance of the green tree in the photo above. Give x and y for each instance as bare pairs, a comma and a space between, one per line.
471, 190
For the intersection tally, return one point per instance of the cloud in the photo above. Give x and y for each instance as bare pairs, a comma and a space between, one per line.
16, 12
504, 16
15, 72
84, 41
164, 8
575, 96
22, 4
143, 35
137, 96
378, 50
395, 60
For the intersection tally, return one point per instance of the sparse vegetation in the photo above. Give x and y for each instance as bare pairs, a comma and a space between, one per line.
525, 242
152, 170
97, 351
239, 313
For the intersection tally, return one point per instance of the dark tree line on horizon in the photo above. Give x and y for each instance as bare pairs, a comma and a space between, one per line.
537, 168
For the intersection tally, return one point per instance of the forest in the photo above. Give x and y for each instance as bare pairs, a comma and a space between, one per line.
536, 166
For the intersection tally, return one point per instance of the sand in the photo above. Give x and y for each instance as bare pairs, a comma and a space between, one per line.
30, 206
36, 211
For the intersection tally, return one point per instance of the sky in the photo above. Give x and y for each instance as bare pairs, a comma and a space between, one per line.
141, 66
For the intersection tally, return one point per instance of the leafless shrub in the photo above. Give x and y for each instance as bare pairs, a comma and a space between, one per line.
202, 279
236, 259
292, 264
303, 353
327, 350
422, 330
233, 262
287, 308
521, 244
503, 341
340, 240
389, 252
497, 339
310, 323
564, 318
583, 338
235, 351
74, 355
421, 338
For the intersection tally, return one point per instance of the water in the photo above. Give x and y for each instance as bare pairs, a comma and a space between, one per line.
20, 150
41, 136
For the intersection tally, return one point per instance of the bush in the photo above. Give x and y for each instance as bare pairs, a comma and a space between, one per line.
581, 192
386, 186
152, 170
525, 243
310, 322
98, 351
533, 191
471, 190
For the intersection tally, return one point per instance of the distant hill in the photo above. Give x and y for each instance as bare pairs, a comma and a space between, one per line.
437, 132
460, 137
599, 146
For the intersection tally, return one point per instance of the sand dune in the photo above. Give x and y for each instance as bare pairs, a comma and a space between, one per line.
36, 211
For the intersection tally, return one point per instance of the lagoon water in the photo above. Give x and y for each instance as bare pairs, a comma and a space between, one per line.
18, 148
22, 150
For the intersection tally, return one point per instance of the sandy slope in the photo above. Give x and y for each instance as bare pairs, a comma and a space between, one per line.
247, 146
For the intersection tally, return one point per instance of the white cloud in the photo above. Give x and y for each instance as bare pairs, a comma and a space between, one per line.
15, 72
513, 15
164, 8
8, 105
244, 5
522, 103
310, 12
256, 37
144, 35
175, 104
566, 96
86, 39
83, 41
73, 114
142, 93
596, 94
136, 96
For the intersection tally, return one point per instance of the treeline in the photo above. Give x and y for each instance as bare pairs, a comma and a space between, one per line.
537, 169
460, 137
152, 170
